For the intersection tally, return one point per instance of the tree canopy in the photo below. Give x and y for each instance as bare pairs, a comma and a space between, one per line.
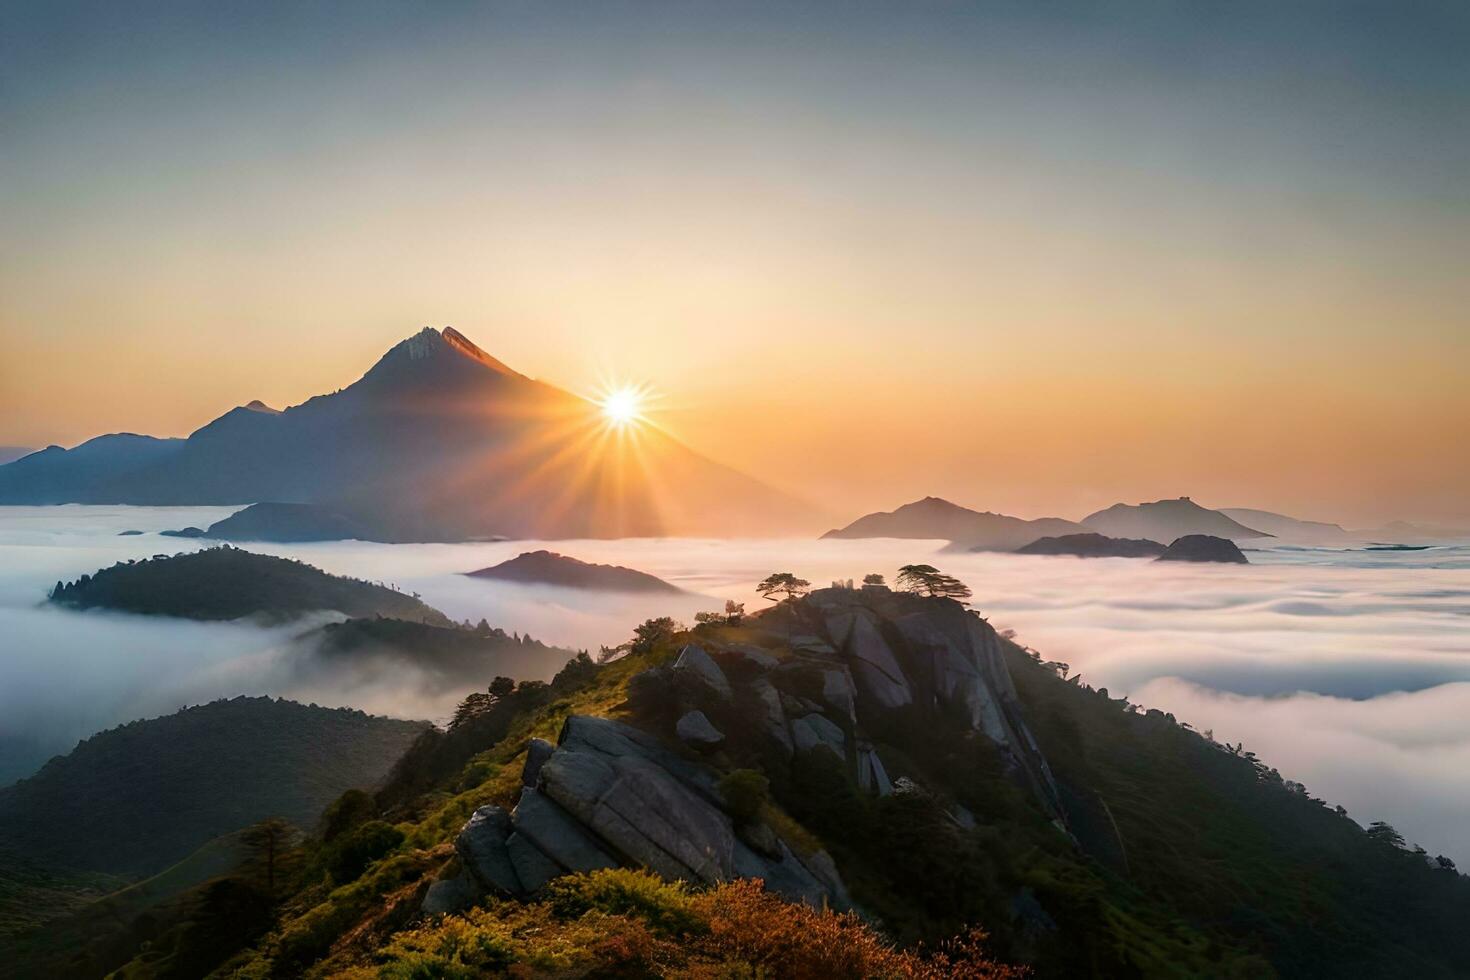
930, 581
784, 584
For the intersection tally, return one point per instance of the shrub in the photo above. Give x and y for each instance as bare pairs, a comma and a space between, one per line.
347, 857
665, 906
745, 791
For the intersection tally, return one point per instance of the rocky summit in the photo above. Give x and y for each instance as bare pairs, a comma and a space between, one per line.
808, 677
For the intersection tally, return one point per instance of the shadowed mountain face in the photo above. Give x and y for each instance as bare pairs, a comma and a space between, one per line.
1165, 520
549, 568
438, 441
968, 529
134, 799
1290, 529
1093, 546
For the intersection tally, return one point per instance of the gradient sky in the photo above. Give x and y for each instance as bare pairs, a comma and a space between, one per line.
1036, 258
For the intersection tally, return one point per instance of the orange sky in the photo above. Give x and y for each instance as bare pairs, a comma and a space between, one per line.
1030, 268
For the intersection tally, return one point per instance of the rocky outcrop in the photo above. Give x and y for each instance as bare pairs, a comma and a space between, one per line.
693, 727
1204, 547
610, 794
818, 677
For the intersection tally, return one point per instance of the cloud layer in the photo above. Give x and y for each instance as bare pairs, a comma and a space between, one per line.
1348, 671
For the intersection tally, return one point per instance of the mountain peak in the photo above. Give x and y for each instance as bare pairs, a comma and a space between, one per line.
256, 405
430, 343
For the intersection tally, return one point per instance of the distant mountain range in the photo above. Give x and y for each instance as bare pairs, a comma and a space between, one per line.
9, 454
1166, 520
1161, 521
439, 441
549, 568
934, 518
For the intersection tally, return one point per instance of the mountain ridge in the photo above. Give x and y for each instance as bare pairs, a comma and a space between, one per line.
436, 441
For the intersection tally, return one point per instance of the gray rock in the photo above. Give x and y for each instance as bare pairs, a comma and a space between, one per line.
874, 666
533, 868
816, 731
955, 665
696, 729
772, 716
872, 777
839, 693
538, 750
608, 737
753, 656
451, 895
963, 817
557, 834
641, 811
481, 844
694, 662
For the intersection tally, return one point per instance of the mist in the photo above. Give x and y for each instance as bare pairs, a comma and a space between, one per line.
1348, 671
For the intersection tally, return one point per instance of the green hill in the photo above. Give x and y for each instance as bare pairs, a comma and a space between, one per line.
228, 583
137, 798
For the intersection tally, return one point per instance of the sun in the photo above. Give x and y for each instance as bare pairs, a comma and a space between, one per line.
623, 406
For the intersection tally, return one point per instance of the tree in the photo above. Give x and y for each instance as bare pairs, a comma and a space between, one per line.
710, 619
783, 583
734, 611
873, 578
929, 581
502, 688
267, 842
473, 706
653, 632
1385, 834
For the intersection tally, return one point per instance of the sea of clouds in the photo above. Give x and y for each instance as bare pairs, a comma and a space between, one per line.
1347, 670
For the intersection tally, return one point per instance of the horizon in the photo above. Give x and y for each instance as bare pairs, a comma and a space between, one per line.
1125, 254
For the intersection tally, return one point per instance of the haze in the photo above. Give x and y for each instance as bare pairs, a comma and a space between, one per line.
1348, 672
1033, 261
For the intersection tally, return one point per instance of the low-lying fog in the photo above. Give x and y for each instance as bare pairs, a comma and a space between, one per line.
1348, 671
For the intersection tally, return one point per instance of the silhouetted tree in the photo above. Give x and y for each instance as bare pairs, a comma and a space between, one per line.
1385, 834
734, 611
784, 584
267, 842
873, 578
501, 688
929, 581
652, 632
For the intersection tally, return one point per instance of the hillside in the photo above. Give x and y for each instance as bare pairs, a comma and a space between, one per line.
854, 747
550, 568
1290, 530
228, 583
439, 659
1166, 520
438, 441
966, 529
134, 799
288, 522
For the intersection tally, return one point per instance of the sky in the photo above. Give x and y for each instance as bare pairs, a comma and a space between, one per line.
1033, 258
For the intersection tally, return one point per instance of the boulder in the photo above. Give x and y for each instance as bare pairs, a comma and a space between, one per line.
538, 750
694, 663
815, 731
481, 845
557, 834
642, 812
770, 714
533, 868
450, 895
696, 729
